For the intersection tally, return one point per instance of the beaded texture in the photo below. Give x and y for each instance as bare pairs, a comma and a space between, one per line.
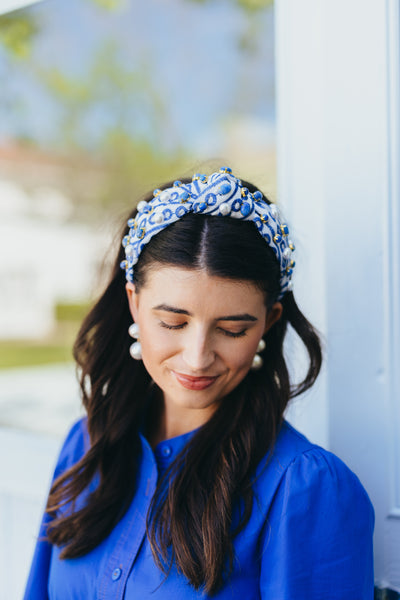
220, 194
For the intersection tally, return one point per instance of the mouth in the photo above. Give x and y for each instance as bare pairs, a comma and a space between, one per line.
194, 383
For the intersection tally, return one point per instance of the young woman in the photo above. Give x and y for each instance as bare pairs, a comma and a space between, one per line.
185, 481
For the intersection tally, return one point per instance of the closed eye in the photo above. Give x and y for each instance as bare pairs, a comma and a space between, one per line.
234, 334
180, 326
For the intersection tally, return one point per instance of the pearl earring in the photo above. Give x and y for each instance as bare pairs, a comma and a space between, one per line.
257, 360
135, 349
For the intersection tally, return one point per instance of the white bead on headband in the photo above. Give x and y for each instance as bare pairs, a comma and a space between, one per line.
220, 194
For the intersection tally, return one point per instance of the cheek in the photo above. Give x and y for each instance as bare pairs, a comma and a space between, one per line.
157, 342
241, 357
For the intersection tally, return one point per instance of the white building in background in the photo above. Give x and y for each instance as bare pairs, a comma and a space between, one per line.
45, 255
43, 260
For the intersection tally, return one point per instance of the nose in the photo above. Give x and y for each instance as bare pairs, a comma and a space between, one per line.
198, 353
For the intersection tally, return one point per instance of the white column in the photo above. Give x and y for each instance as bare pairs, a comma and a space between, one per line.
300, 139
338, 132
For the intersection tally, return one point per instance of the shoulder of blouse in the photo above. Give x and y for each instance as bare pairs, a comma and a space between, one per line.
301, 468
294, 461
318, 524
77, 443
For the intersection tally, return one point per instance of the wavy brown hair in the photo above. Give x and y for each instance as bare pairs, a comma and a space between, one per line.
190, 521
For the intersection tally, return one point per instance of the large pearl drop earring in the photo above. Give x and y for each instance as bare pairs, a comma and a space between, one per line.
135, 349
257, 360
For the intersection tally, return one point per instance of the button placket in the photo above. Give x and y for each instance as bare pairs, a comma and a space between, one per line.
133, 531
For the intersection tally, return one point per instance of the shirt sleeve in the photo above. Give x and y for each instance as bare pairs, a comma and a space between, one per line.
318, 538
72, 450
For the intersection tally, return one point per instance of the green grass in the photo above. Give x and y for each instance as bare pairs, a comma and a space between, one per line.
26, 353
56, 348
67, 312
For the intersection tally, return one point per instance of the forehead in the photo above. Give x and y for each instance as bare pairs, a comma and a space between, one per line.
195, 289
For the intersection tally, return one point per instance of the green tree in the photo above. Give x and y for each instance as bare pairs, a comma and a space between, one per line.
125, 151
123, 155
18, 31
122, 101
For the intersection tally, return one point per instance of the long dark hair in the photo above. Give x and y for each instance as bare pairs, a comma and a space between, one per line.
190, 518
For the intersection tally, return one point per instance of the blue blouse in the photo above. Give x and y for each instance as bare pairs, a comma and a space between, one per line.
309, 536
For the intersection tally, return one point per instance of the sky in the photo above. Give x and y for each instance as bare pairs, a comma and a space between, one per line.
186, 51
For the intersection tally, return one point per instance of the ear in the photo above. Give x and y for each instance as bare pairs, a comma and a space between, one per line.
133, 299
273, 315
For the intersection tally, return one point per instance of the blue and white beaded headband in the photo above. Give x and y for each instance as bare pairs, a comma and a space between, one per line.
220, 194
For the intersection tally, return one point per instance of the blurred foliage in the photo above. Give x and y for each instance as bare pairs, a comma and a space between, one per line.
121, 97
248, 5
18, 32
124, 150
110, 4
249, 38
125, 146
254, 4
111, 117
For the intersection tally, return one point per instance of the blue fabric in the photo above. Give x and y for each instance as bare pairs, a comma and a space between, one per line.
309, 536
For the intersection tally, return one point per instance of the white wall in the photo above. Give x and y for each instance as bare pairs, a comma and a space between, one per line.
337, 68
300, 115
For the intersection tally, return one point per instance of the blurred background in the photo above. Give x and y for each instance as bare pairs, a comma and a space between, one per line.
100, 102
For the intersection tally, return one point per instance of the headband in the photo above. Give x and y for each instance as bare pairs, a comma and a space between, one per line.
220, 194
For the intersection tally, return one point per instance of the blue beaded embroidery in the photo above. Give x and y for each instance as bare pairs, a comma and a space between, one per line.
220, 194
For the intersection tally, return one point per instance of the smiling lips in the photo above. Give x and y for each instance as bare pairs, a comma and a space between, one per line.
194, 383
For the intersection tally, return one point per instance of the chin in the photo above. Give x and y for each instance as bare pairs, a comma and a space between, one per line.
192, 400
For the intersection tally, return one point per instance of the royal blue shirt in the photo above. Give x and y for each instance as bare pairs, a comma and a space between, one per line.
309, 536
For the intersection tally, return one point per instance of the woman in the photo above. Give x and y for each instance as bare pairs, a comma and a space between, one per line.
185, 480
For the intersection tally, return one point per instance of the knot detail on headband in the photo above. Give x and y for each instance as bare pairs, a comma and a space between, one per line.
220, 194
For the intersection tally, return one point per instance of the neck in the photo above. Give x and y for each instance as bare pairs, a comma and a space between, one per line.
166, 422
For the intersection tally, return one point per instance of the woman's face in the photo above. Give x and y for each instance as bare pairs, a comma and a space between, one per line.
199, 334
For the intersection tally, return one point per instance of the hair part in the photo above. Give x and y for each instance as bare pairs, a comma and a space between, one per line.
222, 246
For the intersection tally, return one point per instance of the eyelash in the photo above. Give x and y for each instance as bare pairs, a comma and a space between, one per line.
232, 334
172, 326
224, 331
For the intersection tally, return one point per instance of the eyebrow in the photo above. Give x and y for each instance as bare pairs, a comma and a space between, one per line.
182, 311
